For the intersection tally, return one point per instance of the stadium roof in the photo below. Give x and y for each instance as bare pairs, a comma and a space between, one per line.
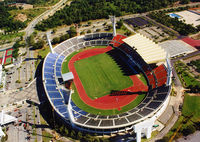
5, 118
150, 51
176, 47
67, 76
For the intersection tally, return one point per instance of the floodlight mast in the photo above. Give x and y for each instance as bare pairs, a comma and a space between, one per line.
49, 42
112, 18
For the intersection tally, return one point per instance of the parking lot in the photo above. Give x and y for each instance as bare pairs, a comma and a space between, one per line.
148, 28
26, 129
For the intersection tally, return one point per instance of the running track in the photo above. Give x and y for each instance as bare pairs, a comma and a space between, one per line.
108, 101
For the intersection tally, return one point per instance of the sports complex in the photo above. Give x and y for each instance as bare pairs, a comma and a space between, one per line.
105, 83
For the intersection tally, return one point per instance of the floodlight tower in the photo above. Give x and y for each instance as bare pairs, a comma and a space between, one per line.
112, 18
49, 42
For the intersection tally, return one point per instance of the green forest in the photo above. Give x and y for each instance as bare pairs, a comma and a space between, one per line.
29, 1
84, 10
7, 22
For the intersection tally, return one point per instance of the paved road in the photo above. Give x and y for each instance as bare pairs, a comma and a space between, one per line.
30, 28
191, 138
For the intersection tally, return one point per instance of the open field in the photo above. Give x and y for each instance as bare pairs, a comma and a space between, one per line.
81, 104
188, 120
30, 13
100, 75
191, 106
10, 37
65, 63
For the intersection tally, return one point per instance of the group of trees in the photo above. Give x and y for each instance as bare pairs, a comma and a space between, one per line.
7, 22
35, 45
78, 135
29, 1
84, 10
71, 33
196, 64
174, 23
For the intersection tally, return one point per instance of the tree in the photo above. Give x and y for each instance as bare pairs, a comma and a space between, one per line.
30, 40
73, 134
54, 30
66, 131
72, 31
119, 24
62, 128
39, 44
89, 23
55, 40
189, 130
79, 136
98, 30
85, 10
89, 31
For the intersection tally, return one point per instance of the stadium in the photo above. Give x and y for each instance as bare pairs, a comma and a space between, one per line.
119, 83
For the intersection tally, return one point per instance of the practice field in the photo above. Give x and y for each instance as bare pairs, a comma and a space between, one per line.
1, 54
9, 52
100, 75
8, 60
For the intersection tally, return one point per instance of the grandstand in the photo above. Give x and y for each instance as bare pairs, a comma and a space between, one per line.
153, 105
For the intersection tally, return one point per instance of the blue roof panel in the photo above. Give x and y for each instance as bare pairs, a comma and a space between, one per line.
54, 95
49, 70
51, 88
48, 75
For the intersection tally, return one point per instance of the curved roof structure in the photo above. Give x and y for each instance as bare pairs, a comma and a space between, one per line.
69, 111
150, 51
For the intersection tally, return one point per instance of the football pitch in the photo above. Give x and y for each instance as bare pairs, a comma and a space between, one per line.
100, 75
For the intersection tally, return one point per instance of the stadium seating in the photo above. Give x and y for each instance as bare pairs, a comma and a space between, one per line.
58, 97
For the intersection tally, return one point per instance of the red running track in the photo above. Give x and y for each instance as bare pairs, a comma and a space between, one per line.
108, 101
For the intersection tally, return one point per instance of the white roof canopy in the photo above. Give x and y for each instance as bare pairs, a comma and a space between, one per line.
5, 118
67, 76
150, 51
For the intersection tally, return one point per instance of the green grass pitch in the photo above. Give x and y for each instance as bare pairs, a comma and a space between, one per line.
9, 52
8, 60
100, 74
77, 100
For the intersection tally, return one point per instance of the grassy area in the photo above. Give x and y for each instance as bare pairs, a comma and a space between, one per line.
46, 137
191, 106
47, 3
65, 63
30, 13
9, 37
190, 116
123, 31
77, 100
43, 52
100, 74
184, 75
